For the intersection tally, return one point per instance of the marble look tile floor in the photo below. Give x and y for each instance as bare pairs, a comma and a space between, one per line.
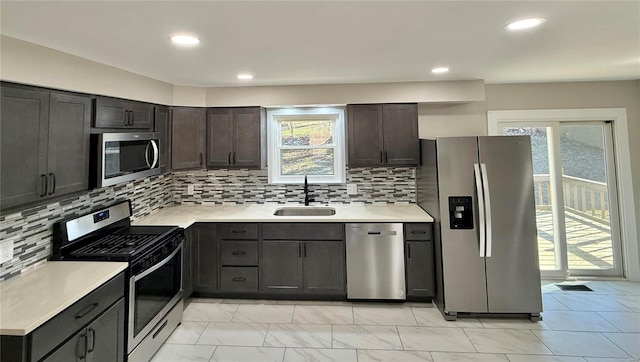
598, 326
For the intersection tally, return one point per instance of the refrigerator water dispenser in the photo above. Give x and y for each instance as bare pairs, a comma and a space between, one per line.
460, 212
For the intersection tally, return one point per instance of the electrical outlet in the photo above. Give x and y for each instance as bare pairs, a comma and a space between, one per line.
352, 189
191, 189
6, 251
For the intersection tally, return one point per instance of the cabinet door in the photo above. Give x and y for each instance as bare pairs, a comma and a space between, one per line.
246, 137
364, 123
219, 137
141, 116
205, 259
23, 145
111, 113
105, 336
420, 269
400, 132
187, 261
162, 127
281, 266
75, 349
68, 151
323, 263
187, 138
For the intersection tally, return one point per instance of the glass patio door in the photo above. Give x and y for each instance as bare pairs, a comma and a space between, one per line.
575, 193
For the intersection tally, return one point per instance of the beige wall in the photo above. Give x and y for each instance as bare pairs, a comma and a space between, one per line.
28, 63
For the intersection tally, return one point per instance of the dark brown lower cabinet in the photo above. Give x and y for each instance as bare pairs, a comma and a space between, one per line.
420, 269
303, 267
100, 341
187, 261
205, 258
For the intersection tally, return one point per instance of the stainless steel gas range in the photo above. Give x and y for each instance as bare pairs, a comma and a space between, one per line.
154, 254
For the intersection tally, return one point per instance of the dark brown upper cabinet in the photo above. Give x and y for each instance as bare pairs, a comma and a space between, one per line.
121, 113
382, 134
162, 126
234, 137
44, 144
188, 130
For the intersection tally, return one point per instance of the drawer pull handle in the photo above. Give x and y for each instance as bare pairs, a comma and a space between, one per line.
239, 252
161, 328
86, 310
238, 279
238, 231
418, 231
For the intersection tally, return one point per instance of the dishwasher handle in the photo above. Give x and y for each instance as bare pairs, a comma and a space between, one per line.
375, 233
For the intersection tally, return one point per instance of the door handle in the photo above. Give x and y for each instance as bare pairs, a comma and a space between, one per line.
156, 154
44, 185
229, 158
160, 329
200, 158
239, 279
479, 191
487, 201
81, 348
92, 341
408, 251
52, 177
380, 156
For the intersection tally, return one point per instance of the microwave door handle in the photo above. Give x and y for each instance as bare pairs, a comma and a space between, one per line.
146, 155
156, 154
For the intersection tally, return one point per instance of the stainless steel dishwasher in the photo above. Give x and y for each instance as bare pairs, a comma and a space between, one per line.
375, 261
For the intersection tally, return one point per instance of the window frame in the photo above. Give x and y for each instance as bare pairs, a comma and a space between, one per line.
274, 142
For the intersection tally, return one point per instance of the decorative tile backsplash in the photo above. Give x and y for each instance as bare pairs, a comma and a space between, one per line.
31, 229
386, 185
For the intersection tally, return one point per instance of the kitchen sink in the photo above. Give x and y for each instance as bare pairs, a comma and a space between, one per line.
305, 211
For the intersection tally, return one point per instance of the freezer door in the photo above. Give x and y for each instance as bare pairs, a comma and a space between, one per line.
463, 269
513, 276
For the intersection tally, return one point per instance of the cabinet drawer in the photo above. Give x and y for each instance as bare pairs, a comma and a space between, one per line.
302, 231
239, 231
418, 232
239, 279
239, 252
65, 324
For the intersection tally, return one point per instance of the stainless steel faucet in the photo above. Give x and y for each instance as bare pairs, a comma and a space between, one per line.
307, 199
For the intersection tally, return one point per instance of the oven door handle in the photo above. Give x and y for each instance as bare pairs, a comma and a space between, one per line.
158, 265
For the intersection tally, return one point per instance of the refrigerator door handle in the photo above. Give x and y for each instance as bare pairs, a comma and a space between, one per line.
481, 222
487, 202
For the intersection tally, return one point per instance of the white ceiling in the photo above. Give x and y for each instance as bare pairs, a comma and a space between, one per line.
321, 42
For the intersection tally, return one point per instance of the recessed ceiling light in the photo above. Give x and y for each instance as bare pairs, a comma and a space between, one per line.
245, 76
439, 70
524, 24
185, 40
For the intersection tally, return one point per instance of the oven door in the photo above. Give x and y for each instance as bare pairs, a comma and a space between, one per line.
152, 293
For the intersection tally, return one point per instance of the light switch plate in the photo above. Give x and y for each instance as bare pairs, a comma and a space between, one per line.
6, 251
190, 189
352, 189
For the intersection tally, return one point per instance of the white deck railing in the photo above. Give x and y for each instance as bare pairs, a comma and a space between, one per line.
584, 197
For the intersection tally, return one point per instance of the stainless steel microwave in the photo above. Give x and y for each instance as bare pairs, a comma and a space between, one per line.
122, 157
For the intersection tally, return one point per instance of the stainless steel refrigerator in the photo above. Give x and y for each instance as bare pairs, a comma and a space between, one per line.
480, 192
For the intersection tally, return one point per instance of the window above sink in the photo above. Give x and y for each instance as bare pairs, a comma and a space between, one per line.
306, 141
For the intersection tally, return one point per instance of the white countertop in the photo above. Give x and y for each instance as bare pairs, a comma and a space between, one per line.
185, 215
30, 299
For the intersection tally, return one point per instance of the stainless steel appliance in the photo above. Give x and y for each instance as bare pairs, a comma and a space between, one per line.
375, 261
154, 253
121, 157
480, 192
